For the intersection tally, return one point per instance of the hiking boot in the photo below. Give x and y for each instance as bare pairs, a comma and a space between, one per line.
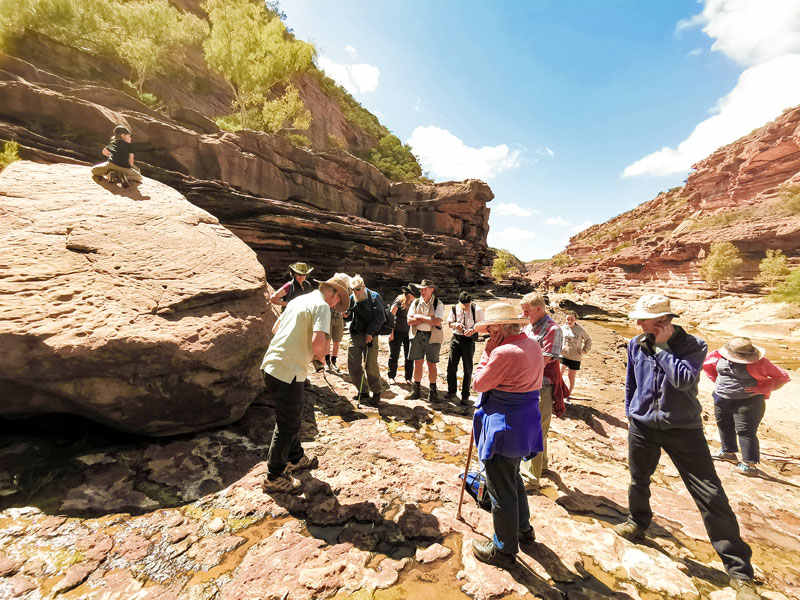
373, 400
415, 393
433, 396
630, 531
746, 468
466, 400
283, 483
304, 464
486, 552
726, 456
526, 537
450, 396
745, 588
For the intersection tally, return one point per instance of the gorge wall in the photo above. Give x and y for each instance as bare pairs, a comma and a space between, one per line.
328, 208
741, 193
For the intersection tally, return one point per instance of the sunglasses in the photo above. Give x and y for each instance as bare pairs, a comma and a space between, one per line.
358, 289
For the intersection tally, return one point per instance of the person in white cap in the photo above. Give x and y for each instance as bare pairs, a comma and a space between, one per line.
664, 364
744, 379
299, 335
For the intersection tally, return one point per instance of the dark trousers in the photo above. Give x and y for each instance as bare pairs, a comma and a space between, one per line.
285, 446
399, 341
510, 512
688, 450
356, 353
740, 418
461, 349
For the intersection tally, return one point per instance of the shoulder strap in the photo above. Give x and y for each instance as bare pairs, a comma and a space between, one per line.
454, 312
472, 306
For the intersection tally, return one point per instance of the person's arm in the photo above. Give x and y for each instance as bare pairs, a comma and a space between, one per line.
630, 378
452, 321
275, 326
770, 377
106, 152
493, 372
321, 331
438, 315
319, 345
551, 344
710, 365
412, 318
378, 317
682, 373
130, 159
276, 296
587, 342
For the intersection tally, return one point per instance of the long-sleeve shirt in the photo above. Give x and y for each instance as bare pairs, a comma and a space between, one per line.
516, 365
737, 381
661, 390
576, 342
548, 334
368, 314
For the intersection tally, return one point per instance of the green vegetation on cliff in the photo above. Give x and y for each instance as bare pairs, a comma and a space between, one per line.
504, 263
141, 34
773, 268
789, 290
721, 263
9, 154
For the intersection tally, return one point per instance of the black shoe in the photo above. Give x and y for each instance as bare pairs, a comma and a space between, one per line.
416, 392
527, 537
466, 400
373, 400
487, 553
433, 396
450, 396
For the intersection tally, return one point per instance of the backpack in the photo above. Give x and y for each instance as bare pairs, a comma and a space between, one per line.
476, 487
389, 319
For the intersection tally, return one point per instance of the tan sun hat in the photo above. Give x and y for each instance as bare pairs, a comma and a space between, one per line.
741, 350
651, 306
340, 283
500, 313
300, 268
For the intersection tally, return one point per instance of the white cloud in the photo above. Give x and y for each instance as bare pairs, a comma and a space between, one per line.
556, 221
351, 51
510, 209
695, 52
748, 31
445, 156
418, 104
509, 238
549, 152
760, 95
355, 78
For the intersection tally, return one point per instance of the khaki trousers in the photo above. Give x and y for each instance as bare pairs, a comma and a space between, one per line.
531, 470
133, 175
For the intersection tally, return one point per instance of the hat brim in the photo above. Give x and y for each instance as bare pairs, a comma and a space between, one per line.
641, 314
296, 272
482, 326
740, 359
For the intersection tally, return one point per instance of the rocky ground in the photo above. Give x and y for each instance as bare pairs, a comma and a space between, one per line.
91, 513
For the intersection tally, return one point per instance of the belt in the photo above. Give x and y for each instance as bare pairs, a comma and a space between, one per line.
463, 338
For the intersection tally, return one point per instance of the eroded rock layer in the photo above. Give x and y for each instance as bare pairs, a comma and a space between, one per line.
128, 306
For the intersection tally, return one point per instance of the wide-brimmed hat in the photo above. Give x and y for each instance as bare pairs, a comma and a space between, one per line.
425, 283
742, 350
651, 306
300, 268
410, 289
500, 313
340, 283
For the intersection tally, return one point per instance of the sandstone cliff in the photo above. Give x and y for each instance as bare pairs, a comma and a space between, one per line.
736, 195
326, 207
131, 307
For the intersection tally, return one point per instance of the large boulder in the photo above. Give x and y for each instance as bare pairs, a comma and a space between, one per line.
129, 306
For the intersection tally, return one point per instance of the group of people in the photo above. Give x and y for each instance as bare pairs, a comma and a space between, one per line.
520, 384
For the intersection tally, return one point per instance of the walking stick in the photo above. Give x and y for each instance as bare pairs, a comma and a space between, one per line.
464, 481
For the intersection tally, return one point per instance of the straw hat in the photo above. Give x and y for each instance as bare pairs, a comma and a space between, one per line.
500, 313
741, 350
425, 283
340, 283
300, 268
651, 306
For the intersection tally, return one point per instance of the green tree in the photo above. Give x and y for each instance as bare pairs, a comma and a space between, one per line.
773, 268
284, 111
251, 48
395, 159
789, 290
721, 263
504, 263
9, 154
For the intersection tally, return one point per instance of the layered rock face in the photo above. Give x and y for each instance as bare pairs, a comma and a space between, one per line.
131, 307
737, 194
327, 208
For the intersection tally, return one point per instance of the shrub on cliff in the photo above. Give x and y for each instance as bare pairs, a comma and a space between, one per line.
9, 154
504, 263
789, 290
141, 34
773, 268
251, 48
721, 263
395, 159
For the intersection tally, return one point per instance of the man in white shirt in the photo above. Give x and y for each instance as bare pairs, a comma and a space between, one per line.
462, 318
299, 336
425, 320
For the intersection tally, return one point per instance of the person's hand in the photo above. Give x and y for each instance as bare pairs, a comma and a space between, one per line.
318, 365
368, 338
391, 336
646, 342
663, 332
495, 337
469, 332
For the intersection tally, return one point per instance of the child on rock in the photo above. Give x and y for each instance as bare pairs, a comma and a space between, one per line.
120, 158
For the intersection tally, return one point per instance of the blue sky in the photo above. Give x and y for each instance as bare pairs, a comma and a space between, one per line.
572, 111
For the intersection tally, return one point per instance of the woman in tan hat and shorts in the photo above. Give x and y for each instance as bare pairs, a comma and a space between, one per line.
744, 379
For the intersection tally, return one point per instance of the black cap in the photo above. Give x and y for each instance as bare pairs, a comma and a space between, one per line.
464, 297
120, 130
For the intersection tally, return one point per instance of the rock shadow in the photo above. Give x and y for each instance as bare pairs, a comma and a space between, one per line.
132, 191
592, 417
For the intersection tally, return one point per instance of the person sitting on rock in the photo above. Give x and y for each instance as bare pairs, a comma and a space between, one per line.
366, 308
744, 379
575, 343
507, 427
664, 364
300, 335
425, 320
120, 158
398, 339
296, 286
462, 318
